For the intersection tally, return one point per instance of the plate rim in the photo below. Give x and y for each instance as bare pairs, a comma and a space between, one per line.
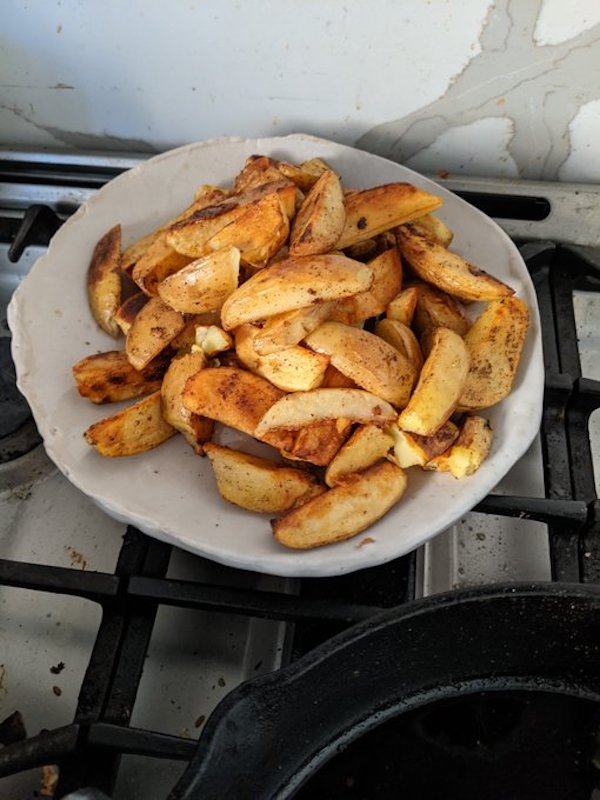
287, 563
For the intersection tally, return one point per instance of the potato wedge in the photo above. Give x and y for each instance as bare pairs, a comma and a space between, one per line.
258, 484
468, 452
304, 175
128, 311
495, 343
432, 227
190, 235
104, 281
372, 211
320, 221
110, 378
446, 270
206, 195
334, 379
257, 171
158, 262
196, 429
402, 307
294, 411
154, 327
258, 233
387, 281
440, 385
233, 397
367, 445
365, 358
437, 309
403, 339
203, 285
317, 443
343, 511
295, 283
287, 329
295, 369
411, 450
136, 429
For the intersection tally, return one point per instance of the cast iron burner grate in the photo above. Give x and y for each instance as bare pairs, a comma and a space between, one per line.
88, 750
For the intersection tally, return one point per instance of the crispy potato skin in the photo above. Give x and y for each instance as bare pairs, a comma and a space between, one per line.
373, 211
343, 511
110, 378
369, 361
258, 484
294, 283
468, 452
448, 271
136, 429
431, 227
154, 328
495, 343
129, 309
318, 442
367, 445
440, 385
403, 339
104, 281
320, 221
158, 262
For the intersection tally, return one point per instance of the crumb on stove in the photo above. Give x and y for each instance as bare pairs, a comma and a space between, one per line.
442, 173
57, 690
199, 721
56, 670
363, 542
221, 681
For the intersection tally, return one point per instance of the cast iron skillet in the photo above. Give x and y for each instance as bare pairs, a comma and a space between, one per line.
268, 736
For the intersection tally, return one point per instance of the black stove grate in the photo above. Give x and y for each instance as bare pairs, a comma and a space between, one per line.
88, 751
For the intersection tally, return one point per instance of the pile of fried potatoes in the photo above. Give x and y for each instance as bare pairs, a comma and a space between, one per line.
323, 321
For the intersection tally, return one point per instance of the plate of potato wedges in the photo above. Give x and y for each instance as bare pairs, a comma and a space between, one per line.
283, 354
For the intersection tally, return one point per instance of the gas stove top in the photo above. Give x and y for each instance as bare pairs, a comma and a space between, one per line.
115, 649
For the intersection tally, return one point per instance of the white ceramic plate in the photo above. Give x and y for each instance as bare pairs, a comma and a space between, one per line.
170, 493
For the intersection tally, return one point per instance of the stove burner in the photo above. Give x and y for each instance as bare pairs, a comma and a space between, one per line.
18, 434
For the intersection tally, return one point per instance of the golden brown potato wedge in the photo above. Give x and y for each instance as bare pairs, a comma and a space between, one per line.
295, 283
259, 484
304, 175
295, 411
320, 221
110, 378
206, 195
128, 311
233, 397
372, 211
367, 445
190, 235
196, 429
402, 307
343, 511
295, 369
432, 227
257, 171
363, 251
437, 309
494, 343
317, 443
104, 281
387, 281
410, 449
258, 233
154, 327
287, 329
334, 379
203, 285
136, 429
468, 452
441, 383
403, 339
158, 262
446, 270
365, 358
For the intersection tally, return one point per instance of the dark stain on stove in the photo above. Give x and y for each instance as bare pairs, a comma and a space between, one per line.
221, 681
57, 690
257, 666
58, 668
2, 679
77, 559
200, 720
